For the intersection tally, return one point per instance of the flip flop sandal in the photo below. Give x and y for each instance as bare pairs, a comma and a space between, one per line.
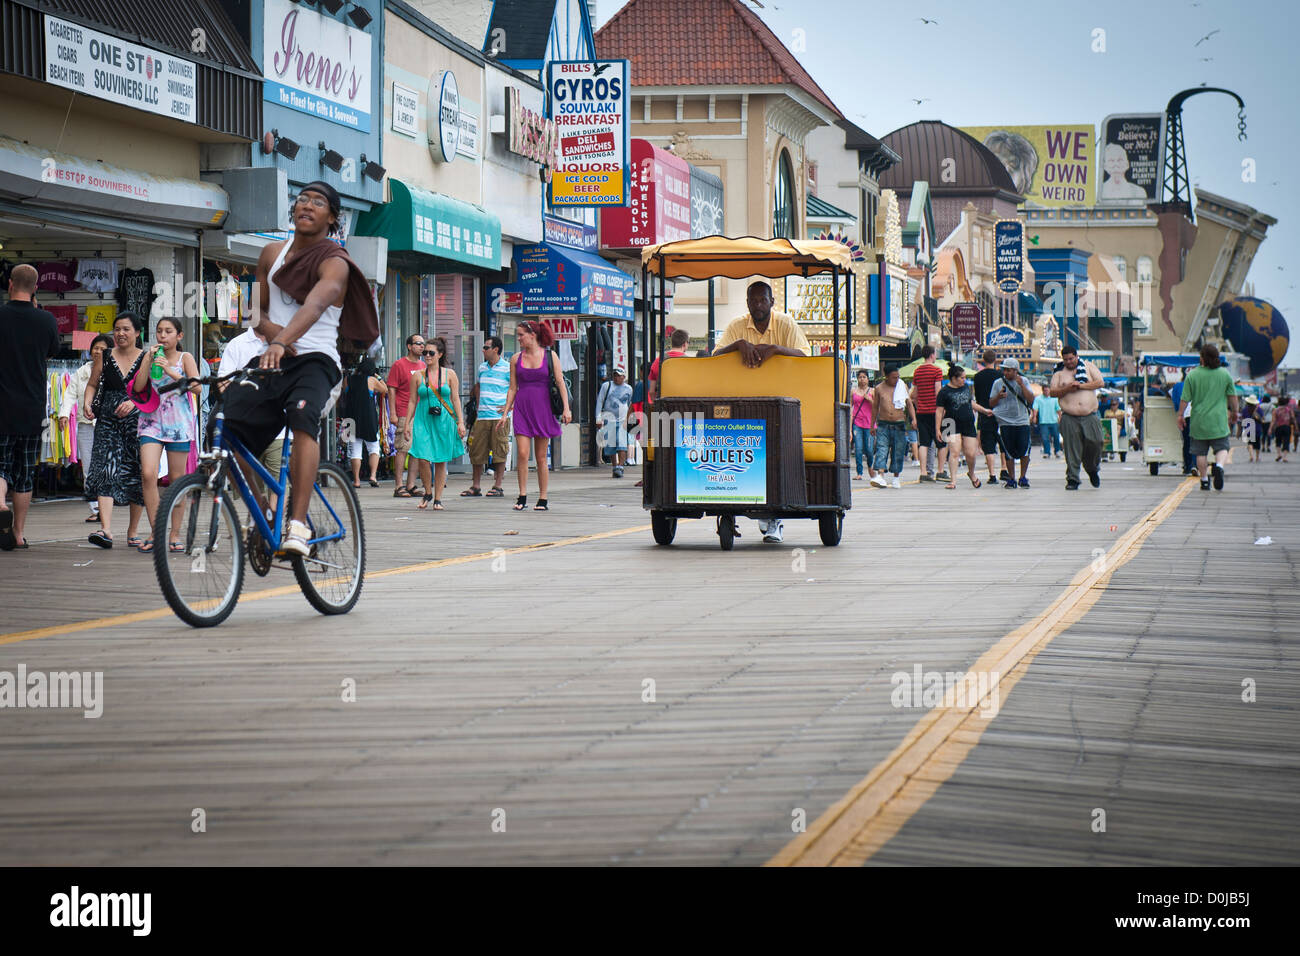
100, 538
92, 519
472, 493
176, 547
145, 547
424, 502
437, 505
374, 483
541, 505
494, 493
134, 542
521, 503
975, 482
402, 493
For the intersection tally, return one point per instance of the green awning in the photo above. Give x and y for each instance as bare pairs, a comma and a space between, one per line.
1133, 321
416, 220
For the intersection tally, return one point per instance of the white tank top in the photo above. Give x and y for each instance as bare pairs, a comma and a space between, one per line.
324, 333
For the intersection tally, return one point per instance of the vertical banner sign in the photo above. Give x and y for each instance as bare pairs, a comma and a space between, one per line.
1009, 254
315, 64
722, 460
1132, 158
967, 325
620, 346
589, 102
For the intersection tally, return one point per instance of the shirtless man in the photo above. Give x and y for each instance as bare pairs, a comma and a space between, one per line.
894, 412
1076, 387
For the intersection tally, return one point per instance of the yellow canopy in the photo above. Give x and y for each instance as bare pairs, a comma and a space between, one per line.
721, 257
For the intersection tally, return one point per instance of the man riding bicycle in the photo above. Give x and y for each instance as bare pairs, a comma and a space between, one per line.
309, 291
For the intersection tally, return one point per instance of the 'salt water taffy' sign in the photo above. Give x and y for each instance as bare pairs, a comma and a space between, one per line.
722, 460
1009, 254
588, 101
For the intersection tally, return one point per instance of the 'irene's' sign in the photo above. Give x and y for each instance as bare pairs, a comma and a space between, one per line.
97, 64
316, 65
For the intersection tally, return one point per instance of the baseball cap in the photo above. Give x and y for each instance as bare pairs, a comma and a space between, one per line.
618, 370
1010, 363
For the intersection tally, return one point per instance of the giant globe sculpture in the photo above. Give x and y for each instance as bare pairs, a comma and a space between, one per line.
1256, 330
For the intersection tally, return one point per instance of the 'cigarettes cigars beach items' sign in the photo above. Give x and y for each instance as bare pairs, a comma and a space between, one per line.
97, 64
315, 64
588, 101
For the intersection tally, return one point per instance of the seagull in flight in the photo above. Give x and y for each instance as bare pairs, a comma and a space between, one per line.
924, 20
1206, 37
1207, 59
919, 102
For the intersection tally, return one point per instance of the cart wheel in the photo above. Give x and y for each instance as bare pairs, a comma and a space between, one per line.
1154, 468
663, 527
831, 525
727, 531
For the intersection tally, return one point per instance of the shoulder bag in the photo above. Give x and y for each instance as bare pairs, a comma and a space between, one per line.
557, 399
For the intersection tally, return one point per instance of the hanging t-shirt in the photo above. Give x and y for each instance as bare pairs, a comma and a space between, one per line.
65, 315
135, 291
56, 275
97, 275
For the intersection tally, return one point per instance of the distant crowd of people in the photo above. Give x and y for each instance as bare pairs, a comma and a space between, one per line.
959, 418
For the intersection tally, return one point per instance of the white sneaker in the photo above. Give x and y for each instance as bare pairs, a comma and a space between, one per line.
774, 531
879, 481
897, 483
296, 538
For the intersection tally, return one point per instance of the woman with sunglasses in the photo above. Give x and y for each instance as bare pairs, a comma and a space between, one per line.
436, 429
532, 369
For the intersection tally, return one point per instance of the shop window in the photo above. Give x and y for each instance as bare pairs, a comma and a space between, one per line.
1121, 267
784, 218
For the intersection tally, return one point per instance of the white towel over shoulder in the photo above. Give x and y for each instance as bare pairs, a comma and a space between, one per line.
900, 395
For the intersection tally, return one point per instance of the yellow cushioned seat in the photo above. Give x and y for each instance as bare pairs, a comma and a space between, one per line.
819, 449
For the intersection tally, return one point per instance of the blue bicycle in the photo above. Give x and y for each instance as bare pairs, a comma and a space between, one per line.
201, 569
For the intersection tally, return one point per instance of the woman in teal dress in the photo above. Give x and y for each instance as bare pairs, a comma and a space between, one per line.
436, 429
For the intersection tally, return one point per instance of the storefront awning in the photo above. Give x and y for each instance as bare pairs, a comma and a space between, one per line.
554, 280
45, 179
1100, 321
416, 220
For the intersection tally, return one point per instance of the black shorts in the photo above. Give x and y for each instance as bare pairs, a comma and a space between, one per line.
1283, 436
18, 456
1014, 440
925, 436
296, 397
989, 435
959, 427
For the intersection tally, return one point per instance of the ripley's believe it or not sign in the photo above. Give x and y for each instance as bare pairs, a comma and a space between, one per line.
97, 64
722, 461
589, 102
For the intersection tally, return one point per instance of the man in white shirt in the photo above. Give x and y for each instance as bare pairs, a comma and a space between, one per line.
239, 351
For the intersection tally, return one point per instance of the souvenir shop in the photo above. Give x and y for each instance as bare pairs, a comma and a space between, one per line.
86, 279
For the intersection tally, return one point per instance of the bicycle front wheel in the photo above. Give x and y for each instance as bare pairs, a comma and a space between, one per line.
332, 574
201, 580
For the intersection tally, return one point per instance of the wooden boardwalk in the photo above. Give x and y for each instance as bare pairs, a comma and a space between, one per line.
515, 683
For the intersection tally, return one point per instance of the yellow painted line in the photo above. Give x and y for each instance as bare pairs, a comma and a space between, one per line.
869, 815
139, 616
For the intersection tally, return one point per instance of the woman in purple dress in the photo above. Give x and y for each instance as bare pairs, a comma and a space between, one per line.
529, 398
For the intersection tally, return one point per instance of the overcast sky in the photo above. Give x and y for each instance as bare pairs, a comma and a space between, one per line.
1032, 62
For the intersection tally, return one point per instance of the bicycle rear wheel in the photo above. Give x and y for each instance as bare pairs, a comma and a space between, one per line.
202, 583
332, 575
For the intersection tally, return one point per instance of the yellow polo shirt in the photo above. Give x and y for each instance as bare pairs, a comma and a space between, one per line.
781, 330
